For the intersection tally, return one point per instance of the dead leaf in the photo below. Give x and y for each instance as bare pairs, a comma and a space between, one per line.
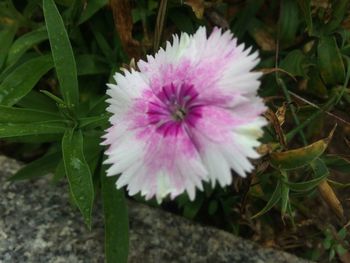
264, 39
197, 7
123, 23
271, 116
281, 114
331, 198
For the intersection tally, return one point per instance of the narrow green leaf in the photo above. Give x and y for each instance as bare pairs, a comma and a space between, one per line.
305, 6
92, 6
115, 219
330, 61
95, 121
35, 128
6, 37
20, 115
339, 9
284, 194
59, 172
78, 173
37, 101
321, 173
244, 17
91, 64
289, 20
337, 163
38, 168
62, 53
275, 197
191, 209
20, 82
25, 42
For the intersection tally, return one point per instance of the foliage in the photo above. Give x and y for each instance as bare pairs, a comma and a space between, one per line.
56, 56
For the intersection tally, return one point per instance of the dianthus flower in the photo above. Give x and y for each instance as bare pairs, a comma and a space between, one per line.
189, 114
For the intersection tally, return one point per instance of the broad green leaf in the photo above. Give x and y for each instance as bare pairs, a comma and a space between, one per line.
300, 157
25, 42
78, 173
321, 173
115, 219
38, 168
6, 37
305, 6
22, 80
34, 128
294, 63
289, 20
92, 6
20, 115
62, 54
275, 197
330, 62
315, 85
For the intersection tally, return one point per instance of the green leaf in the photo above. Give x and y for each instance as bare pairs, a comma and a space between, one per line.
330, 62
6, 37
315, 85
35, 128
20, 115
275, 197
92, 6
339, 9
321, 173
337, 163
284, 194
20, 82
91, 64
191, 209
115, 219
78, 173
289, 20
25, 42
182, 21
244, 17
37, 101
305, 6
62, 54
38, 168
294, 63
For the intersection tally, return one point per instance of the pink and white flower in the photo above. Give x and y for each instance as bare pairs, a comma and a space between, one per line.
190, 114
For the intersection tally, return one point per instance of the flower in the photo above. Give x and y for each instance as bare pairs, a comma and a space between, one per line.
189, 114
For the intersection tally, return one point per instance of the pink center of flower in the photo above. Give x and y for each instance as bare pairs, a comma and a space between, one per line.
173, 107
